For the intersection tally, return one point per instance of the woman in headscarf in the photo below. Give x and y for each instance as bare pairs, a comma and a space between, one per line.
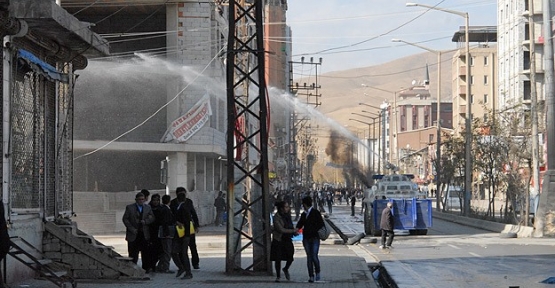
282, 244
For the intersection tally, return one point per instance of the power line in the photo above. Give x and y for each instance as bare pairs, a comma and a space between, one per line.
375, 37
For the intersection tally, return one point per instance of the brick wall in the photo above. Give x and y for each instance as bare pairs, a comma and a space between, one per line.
80, 265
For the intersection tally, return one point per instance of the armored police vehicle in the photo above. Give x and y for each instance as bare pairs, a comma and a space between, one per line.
411, 210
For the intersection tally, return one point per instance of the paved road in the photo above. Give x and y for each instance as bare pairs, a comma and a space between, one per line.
452, 255
342, 266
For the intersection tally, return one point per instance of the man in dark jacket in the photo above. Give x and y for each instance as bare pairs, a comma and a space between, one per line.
166, 232
137, 218
353, 202
179, 251
220, 205
311, 221
386, 224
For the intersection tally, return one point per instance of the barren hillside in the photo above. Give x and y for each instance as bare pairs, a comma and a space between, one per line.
342, 91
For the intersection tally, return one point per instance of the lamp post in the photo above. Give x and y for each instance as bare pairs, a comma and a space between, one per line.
394, 111
438, 141
381, 138
468, 122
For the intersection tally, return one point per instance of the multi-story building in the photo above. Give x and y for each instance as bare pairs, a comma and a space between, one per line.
178, 40
514, 18
416, 111
277, 42
483, 78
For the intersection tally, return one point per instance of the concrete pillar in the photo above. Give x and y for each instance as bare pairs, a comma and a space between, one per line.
177, 172
210, 179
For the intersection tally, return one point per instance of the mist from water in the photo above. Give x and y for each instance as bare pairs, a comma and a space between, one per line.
135, 75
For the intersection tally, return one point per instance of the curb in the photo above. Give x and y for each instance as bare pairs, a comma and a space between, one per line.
520, 231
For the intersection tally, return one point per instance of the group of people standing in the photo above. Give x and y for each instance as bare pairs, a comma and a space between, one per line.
151, 229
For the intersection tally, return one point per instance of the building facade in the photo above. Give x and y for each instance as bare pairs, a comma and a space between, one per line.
277, 41
39, 69
514, 19
483, 79
416, 111
181, 64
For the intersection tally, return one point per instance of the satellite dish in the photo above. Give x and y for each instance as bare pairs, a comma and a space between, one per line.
413, 82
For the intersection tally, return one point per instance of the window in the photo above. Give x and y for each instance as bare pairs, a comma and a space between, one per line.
527, 91
471, 80
485, 98
472, 98
526, 60
471, 61
485, 79
486, 61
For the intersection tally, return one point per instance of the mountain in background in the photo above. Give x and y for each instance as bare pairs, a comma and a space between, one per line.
342, 91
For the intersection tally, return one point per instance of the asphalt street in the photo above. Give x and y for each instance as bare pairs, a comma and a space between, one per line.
452, 255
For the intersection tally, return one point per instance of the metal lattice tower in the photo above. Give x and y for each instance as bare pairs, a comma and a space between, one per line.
248, 224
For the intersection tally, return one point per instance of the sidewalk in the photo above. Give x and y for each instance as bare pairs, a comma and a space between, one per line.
342, 266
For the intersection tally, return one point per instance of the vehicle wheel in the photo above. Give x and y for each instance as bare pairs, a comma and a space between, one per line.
367, 221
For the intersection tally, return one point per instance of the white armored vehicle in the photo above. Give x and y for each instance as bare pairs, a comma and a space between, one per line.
411, 210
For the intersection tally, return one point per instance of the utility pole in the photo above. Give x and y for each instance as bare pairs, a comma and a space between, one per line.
542, 227
534, 112
312, 93
248, 224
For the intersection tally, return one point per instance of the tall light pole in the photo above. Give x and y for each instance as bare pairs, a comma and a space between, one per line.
438, 141
381, 138
468, 123
394, 112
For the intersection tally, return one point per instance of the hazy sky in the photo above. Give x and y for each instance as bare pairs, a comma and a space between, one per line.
318, 25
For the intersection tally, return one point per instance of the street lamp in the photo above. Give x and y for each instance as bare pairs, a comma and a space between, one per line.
369, 112
394, 111
381, 135
468, 123
438, 142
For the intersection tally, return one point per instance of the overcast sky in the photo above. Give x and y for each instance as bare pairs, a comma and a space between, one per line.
319, 25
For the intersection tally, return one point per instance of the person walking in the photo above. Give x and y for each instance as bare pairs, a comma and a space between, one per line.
353, 202
387, 224
136, 219
282, 244
154, 246
329, 199
220, 205
311, 221
195, 260
297, 202
180, 255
